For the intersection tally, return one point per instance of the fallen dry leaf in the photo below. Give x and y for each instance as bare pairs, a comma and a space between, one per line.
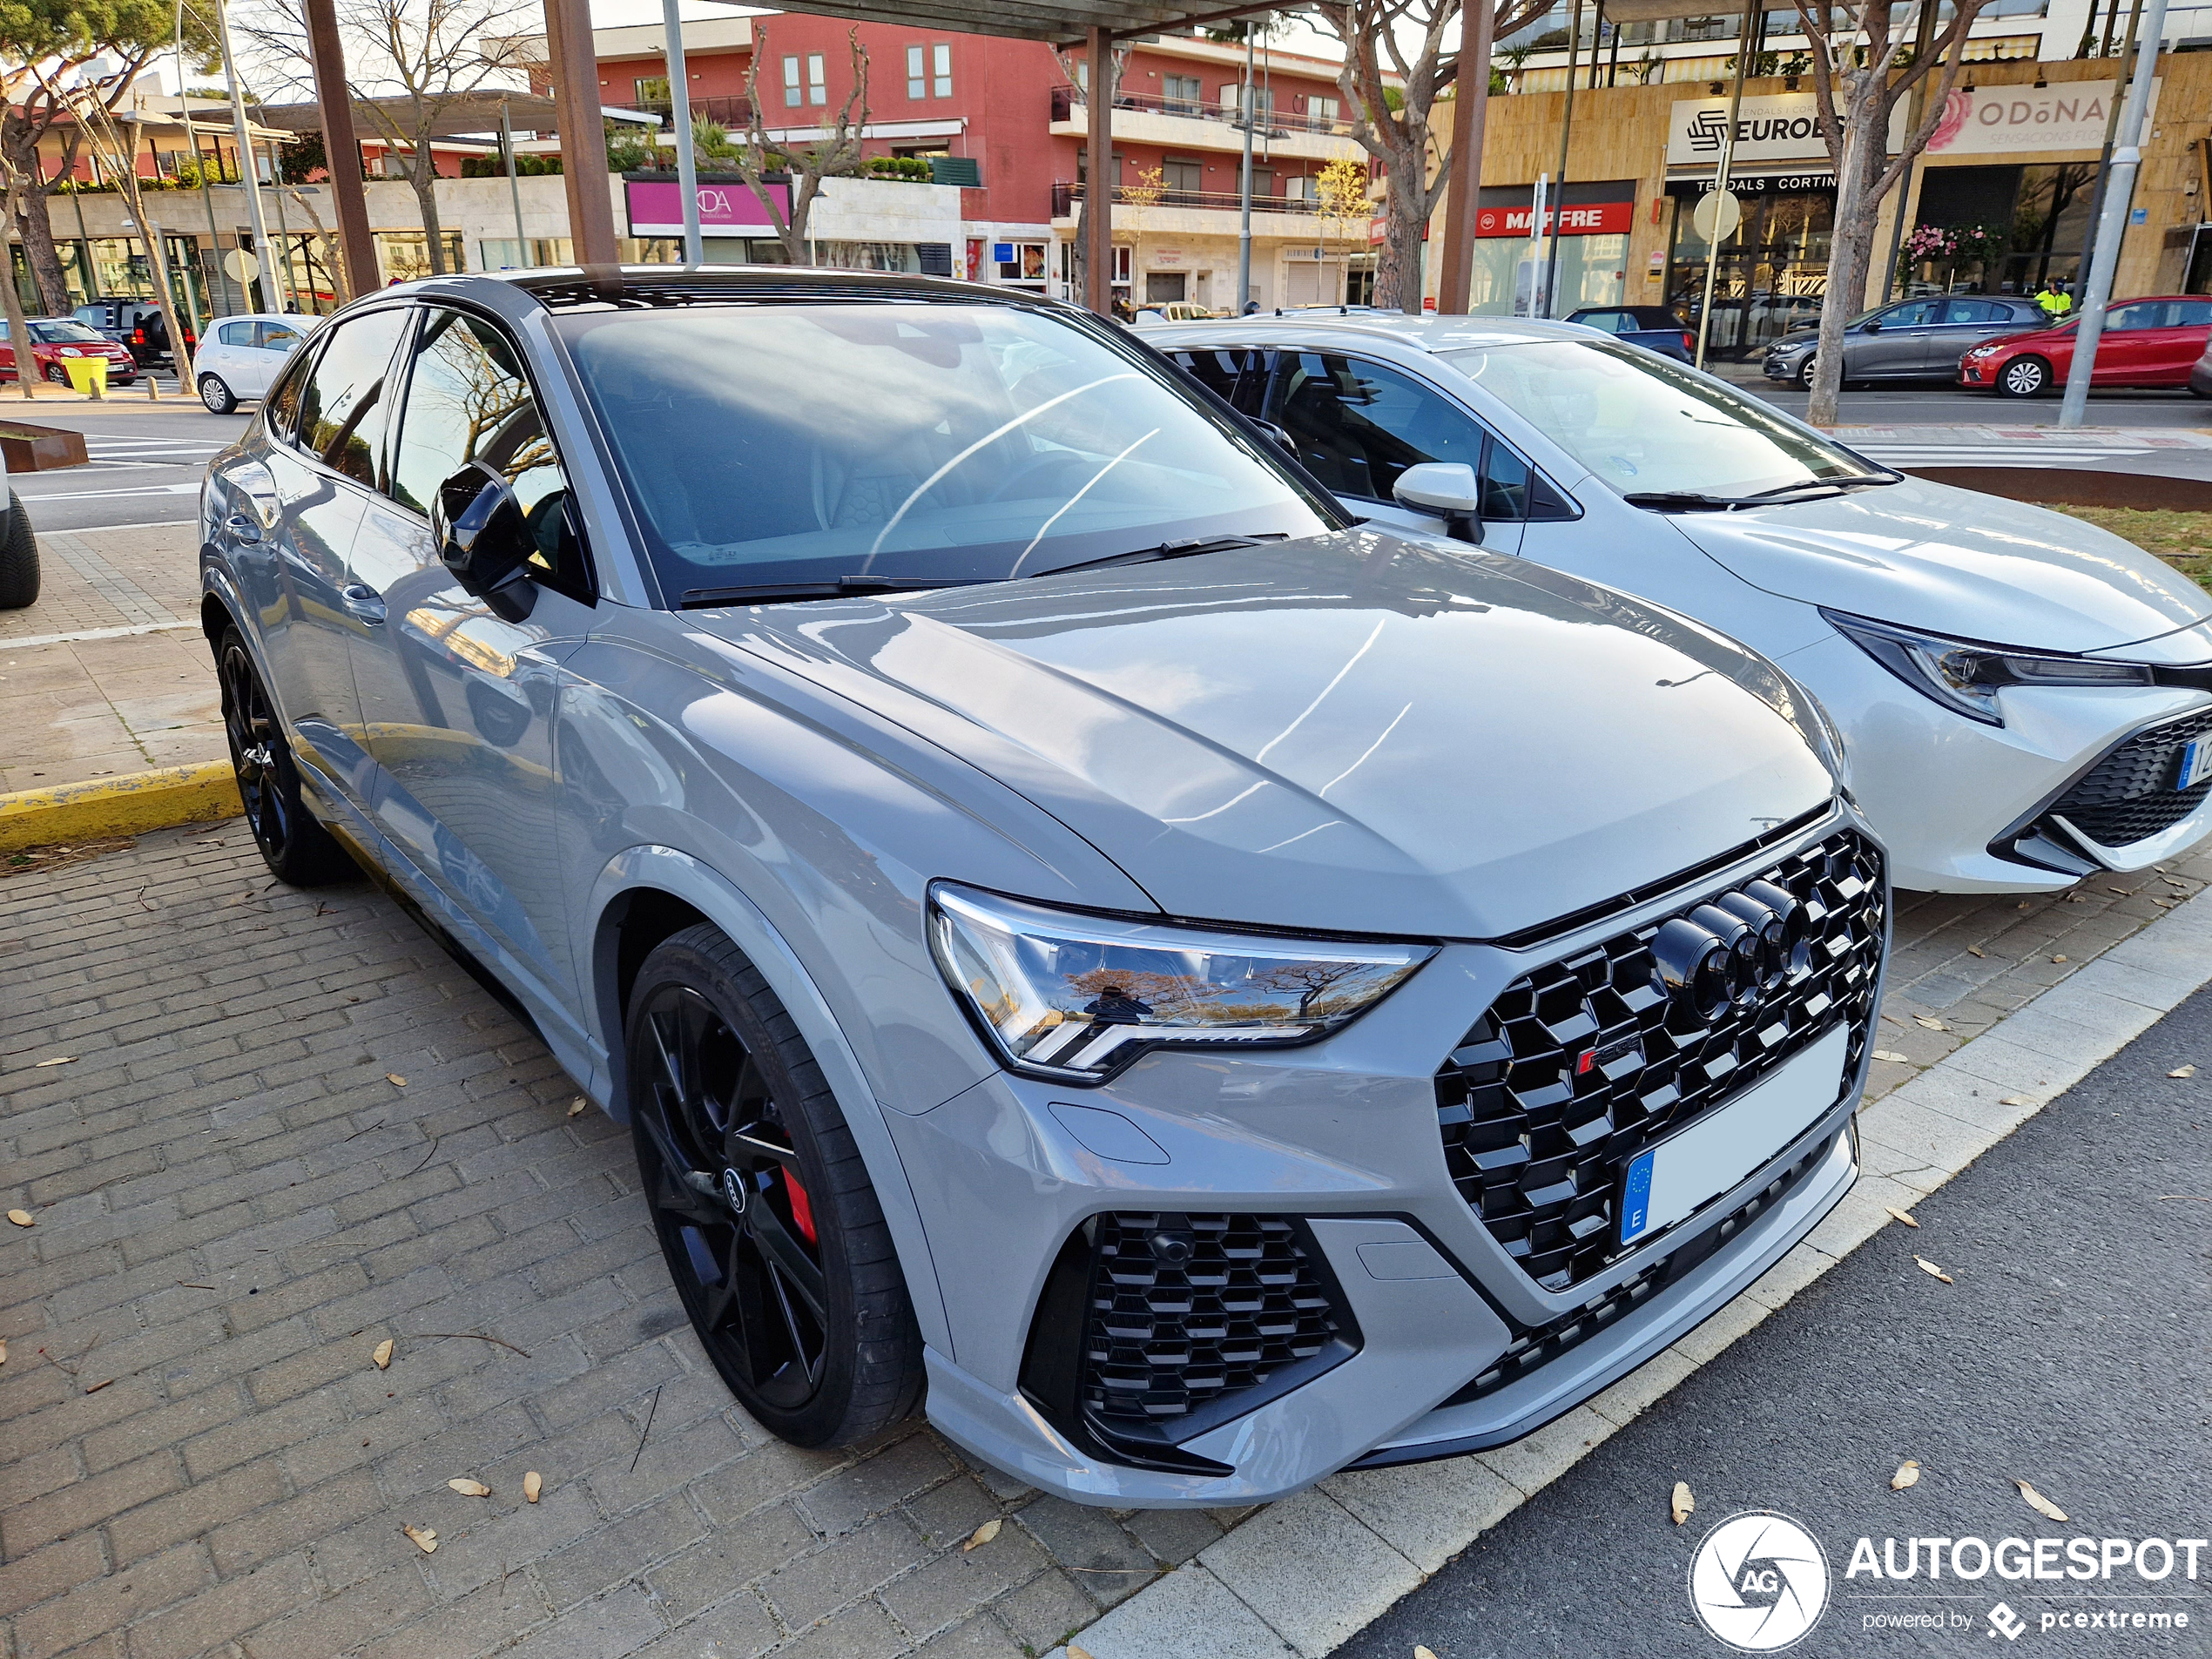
2182, 1071
2017, 1100
1976, 950
3, 1353
396, 1080
1891, 1054
2037, 1502
576, 1107
1900, 1215
1419, 1652
1074, 1652
1933, 1270
1908, 1473
981, 1535
426, 1538
1932, 1025
383, 1354
532, 1485
2058, 959
1683, 1504
22, 1217
58, 1059
469, 1488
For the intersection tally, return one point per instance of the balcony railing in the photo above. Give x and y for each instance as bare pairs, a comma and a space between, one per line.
1066, 194
729, 113
1267, 123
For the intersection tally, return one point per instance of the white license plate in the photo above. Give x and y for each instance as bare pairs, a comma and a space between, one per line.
2196, 763
1679, 1175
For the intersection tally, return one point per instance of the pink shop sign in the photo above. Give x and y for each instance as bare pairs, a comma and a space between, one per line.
656, 207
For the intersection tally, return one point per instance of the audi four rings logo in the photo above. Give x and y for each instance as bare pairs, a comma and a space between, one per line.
1732, 947
1759, 1581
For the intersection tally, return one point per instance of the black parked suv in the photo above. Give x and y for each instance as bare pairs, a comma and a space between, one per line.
137, 324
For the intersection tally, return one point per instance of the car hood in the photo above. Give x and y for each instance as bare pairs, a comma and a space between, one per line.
1925, 555
1350, 733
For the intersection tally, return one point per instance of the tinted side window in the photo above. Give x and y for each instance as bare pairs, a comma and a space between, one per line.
1236, 374
1357, 425
2191, 313
342, 410
468, 400
1614, 322
2124, 318
1984, 311
275, 336
280, 410
1912, 314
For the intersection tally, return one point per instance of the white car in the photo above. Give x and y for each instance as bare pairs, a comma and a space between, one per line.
240, 355
2025, 699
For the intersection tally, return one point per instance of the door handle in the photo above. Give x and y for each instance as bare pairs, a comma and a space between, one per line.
365, 602
243, 526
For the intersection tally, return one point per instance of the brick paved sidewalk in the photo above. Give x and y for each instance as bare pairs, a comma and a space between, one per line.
235, 1203
107, 673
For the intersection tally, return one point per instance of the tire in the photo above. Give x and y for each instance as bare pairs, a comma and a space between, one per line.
815, 1335
2023, 377
298, 850
56, 374
1805, 371
218, 397
18, 559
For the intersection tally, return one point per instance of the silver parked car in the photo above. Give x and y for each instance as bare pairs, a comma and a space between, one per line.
1917, 339
1208, 992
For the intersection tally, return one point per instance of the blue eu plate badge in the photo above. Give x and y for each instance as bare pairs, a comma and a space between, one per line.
2196, 763
1636, 1195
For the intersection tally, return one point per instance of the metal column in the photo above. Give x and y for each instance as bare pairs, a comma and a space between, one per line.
679, 98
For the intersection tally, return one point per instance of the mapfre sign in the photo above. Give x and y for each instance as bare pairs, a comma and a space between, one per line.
1785, 127
2007, 120
1588, 219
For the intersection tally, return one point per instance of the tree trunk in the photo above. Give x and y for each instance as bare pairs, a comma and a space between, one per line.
1851, 241
45, 258
424, 177
11, 297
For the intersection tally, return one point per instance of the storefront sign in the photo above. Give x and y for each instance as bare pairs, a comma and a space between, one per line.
1783, 128
1588, 219
656, 207
1998, 120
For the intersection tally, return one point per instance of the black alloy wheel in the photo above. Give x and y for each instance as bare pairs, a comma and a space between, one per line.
770, 1228
296, 849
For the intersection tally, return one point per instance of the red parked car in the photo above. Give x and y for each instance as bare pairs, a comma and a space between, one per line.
56, 339
2154, 342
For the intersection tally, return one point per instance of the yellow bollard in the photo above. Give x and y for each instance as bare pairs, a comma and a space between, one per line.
87, 374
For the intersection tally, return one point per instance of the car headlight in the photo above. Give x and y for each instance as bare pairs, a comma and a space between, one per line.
1077, 997
1965, 676
69, 351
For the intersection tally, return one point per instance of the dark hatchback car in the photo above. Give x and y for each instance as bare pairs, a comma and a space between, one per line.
136, 325
1913, 340
1653, 327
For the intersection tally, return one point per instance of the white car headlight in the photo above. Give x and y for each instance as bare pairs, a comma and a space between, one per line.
1965, 676
1077, 997
70, 351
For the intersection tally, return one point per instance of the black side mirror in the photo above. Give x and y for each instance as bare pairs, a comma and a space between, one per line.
483, 538
1874, 326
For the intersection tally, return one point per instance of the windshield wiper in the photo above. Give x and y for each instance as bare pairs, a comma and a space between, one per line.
1691, 500
1182, 549
1680, 501
843, 587
1782, 492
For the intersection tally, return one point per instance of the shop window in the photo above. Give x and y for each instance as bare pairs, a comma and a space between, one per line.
1019, 261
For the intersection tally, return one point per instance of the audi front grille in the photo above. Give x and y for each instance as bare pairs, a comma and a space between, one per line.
1580, 1064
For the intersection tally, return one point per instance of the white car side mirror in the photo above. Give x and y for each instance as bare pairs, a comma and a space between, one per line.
1448, 488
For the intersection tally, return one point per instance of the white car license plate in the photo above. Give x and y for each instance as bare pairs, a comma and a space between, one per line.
1672, 1180
2196, 763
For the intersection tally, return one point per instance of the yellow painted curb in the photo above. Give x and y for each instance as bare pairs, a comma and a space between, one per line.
129, 805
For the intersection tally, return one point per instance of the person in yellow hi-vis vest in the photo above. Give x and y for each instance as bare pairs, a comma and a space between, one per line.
2055, 301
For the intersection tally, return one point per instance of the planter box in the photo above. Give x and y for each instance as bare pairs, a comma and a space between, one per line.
40, 448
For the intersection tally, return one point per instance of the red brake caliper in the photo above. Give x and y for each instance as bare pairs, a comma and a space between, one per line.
802, 1207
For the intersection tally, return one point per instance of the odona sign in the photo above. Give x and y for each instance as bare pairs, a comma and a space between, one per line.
1996, 120
656, 207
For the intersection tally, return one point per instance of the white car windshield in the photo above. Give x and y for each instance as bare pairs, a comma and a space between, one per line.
1648, 427
908, 444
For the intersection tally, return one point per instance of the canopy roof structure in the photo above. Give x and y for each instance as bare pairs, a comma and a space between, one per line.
467, 117
1063, 22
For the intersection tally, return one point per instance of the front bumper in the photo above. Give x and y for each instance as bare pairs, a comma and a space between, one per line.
1439, 1330
1965, 807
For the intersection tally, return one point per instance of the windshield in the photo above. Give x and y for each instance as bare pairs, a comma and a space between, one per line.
1645, 425
55, 333
909, 443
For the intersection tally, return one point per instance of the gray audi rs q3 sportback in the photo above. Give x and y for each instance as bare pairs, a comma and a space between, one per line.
1080, 927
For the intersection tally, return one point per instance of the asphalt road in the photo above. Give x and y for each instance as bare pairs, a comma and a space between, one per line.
2071, 1351
146, 458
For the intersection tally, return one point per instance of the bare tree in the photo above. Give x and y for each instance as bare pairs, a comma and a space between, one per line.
11, 186
1393, 121
63, 56
326, 244
408, 62
806, 166
115, 142
1863, 64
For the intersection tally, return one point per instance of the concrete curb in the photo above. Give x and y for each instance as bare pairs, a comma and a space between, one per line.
1305, 1575
129, 805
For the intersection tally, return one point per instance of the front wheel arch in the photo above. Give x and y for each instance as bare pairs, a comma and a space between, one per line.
655, 885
